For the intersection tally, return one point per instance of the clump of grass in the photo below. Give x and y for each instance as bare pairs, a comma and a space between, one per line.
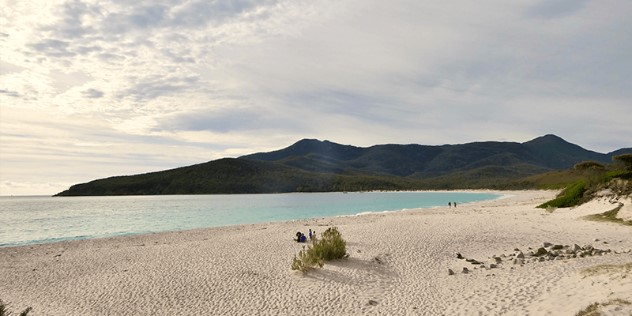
625, 269
329, 246
306, 260
609, 216
593, 309
571, 196
4, 310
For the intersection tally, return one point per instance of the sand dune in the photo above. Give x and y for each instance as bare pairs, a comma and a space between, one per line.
398, 265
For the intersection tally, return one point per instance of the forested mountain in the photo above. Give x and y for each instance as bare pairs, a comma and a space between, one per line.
312, 166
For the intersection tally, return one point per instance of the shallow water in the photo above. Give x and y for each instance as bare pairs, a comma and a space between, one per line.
41, 219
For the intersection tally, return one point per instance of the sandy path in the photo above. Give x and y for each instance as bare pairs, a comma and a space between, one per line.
398, 266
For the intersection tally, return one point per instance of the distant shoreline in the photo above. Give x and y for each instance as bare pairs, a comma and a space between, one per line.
111, 216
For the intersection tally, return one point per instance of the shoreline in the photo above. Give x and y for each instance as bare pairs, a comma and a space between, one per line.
97, 235
398, 264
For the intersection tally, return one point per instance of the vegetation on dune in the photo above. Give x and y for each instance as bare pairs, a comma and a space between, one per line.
623, 161
591, 178
594, 308
625, 269
4, 310
570, 196
609, 216
329, 246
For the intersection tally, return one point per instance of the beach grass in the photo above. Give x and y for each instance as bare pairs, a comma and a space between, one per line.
329, 246
608, 268
4, 310
609, 216
593, 309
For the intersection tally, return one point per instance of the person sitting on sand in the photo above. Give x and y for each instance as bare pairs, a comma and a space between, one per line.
303, 238
298, 236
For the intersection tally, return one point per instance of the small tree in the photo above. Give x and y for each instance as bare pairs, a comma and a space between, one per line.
624, 160
589, 165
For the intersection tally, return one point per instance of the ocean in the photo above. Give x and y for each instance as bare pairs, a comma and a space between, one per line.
42, 219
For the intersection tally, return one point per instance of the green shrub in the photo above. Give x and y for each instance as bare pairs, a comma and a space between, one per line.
624, 161
571, 196
306, 260
589, 165
329, 246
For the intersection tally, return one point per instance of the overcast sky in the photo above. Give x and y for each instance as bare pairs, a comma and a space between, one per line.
97, 88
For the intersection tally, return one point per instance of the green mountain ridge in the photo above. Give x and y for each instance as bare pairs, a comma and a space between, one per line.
312, 165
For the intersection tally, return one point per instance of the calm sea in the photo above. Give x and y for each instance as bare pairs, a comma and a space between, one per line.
34, 220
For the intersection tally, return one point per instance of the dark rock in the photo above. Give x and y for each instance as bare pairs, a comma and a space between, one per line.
541, 252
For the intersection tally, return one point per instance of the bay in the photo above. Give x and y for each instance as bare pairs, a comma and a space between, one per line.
41, 219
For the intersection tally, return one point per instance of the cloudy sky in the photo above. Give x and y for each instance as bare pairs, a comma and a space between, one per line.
97, 88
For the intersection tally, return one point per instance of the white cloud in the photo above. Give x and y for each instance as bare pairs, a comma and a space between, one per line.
190, 81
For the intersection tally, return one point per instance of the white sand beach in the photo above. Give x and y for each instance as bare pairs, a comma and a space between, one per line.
398, 265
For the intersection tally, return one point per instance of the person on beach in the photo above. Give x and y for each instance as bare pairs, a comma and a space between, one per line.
310, 234
300, 237
454, 204
449, 204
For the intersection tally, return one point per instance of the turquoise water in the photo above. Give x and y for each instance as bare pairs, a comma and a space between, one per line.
34, 220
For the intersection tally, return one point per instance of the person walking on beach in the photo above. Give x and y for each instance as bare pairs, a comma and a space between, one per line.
449, 204
454, 204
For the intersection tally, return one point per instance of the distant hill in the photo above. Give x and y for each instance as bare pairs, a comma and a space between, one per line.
314, 166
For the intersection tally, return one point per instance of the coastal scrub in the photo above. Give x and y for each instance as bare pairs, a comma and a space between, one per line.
329, 246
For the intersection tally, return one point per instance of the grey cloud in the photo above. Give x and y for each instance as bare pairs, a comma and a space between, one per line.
53, 48
109, 57
199, 13
218, 121
177, 58
146, 24
93, 94
70, 26
148, 16
157, 86
190, 14
87, 49
7, 68
371, 107
10, 93
551, 9
230, 120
